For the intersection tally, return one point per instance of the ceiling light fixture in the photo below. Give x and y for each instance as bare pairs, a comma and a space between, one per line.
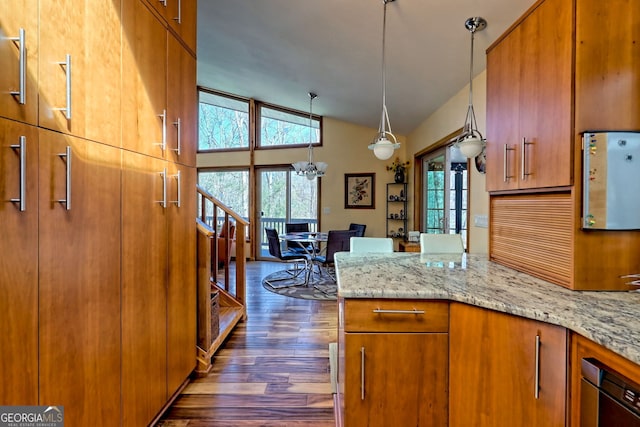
470, 142
308, 168
385, 142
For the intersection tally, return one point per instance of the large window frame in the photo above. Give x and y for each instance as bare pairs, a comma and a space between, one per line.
255, 111
230, 103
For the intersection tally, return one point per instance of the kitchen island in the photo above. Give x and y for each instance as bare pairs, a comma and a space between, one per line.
557, 318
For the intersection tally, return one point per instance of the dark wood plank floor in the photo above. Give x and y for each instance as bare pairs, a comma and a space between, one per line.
272, 371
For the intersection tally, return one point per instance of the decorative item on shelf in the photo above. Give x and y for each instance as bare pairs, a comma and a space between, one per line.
399, 168
470, 142
308, 168
385, 142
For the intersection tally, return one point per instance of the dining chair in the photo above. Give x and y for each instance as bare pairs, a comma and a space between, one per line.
297, 227
288, 257
371, 244
441, 243
358, 228
337, 241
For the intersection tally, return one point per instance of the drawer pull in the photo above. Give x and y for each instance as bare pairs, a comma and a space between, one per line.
383, 311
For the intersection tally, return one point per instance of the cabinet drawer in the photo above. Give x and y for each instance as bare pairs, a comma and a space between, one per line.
388, 315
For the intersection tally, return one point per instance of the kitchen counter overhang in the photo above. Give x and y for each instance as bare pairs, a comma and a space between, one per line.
611, 319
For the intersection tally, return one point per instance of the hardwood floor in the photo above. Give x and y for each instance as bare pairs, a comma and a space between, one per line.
272, 371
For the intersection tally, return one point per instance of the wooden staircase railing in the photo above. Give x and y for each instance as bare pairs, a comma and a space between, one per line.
220, 307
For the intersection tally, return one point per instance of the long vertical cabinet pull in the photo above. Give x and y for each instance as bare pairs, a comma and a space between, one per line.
66, 64
163, 175
362, 373
505, 163
178, 18
22, 64
523, 158
21, 146
178, 125
536, 386
178, 192
163, 144
66, 157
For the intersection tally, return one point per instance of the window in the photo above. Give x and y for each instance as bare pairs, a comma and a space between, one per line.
286, 128
230, 187
223, 122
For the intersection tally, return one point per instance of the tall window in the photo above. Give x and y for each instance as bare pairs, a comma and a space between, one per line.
230, 187
286, 128
444, 184
223, 123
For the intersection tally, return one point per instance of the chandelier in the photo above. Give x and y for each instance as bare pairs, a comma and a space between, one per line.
470, 142
385, 142
308, 168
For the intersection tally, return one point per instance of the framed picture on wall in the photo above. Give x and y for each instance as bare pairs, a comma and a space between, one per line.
359, 190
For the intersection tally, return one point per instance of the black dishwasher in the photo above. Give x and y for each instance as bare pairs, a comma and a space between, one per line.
607, 398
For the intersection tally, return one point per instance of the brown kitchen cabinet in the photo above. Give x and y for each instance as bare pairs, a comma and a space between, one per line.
182, 104
181, 282
529, 93
181, 16
393, 363
19, 264
79, 337
536, 219
145, 205
19, 61
79, 61
144, 81
505, 370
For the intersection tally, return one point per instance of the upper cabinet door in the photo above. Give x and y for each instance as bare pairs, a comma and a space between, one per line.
79, 68
19, 60
144, 81
503, 119
529, 102
546, 139
182, 104
607, 65
182, 17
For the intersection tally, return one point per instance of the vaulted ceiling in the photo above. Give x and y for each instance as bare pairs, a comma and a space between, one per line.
277, 51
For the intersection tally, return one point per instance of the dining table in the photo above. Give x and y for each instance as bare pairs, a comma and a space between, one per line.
312, 243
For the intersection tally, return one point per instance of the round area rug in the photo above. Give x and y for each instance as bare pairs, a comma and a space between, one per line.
319, 288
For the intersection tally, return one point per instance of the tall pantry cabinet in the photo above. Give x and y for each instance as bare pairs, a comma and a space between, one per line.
97, 257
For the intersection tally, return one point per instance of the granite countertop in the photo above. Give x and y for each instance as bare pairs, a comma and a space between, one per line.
611, 319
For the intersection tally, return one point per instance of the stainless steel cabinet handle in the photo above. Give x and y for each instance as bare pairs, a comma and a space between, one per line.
414, 311
22, 66
21, 146
536, 390
66, 157
523, 158
505, 163
178, 125
163, 116
362, 373
163, 175
67, 69
178, 18
164, 2
179, 192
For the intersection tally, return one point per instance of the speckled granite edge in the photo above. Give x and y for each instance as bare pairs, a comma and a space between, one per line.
611, 319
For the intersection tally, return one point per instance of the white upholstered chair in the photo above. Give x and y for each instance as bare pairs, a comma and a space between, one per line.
371, 244
441, 243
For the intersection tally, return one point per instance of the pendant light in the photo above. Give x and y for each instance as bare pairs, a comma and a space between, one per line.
471, 142
309, 168
385, 142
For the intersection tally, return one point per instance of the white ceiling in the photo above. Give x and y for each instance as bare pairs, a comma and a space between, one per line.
277, 51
